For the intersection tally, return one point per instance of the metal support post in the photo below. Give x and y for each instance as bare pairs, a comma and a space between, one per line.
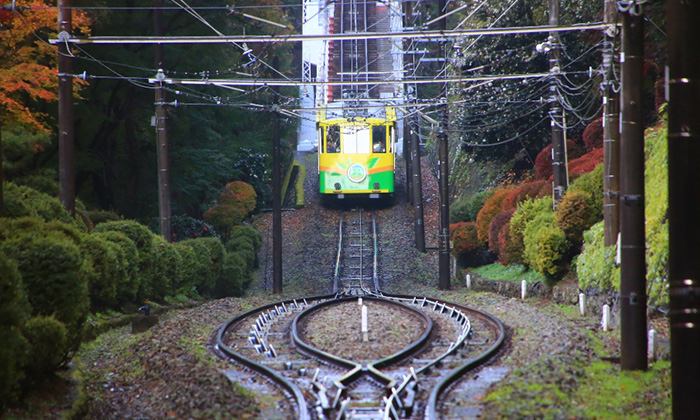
66, 140
684, 203
633, 299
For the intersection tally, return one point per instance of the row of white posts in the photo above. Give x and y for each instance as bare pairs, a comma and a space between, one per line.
605, 322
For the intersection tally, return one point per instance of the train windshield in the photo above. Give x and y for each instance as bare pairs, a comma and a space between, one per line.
333, 139
379, 139
356, 139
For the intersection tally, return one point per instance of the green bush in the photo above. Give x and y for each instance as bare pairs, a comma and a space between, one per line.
656, 208
191, 270
592, 183
128, 265
101, 270
101, 216
545, 245
249, 232
186, 227
595, 268
50, 265
166, 269
576, 214
465, 209
234, 276
208, 270
14, 311
22, 201
244, 247
48, 340
527, 210
143, 239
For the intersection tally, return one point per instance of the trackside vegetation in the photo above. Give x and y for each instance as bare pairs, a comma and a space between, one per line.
57, 272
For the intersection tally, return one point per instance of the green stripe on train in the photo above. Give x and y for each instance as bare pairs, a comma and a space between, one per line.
327, 181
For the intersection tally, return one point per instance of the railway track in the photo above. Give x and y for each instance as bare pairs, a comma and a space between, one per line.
328, 368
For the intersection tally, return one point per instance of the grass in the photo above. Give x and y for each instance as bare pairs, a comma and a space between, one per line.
512, 272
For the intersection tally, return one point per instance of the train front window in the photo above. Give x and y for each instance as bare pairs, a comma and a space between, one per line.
356, 139
333, 139
379, 139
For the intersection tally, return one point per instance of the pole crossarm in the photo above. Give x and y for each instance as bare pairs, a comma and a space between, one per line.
434, 35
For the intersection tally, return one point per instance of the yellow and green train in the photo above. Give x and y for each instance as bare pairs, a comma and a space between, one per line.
356, 154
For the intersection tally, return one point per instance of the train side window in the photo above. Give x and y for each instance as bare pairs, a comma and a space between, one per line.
333, 139
379, 139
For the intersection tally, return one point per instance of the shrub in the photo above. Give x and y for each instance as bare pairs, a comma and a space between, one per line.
191, 269
491, 207
527, 210
101, 270
585, 163
244, 247
22, 201
575, 214
495, 227
592, 183
249, 232
532, 189
143, 239
204, 279
185, 227
14, 311
593, 135
545, 245
465, 240
166, 269
101, 216
543, 161
504, 242
595, 267
48, 341
233, 205
234, 276
467, 208
128, 266
49, 263
656, 208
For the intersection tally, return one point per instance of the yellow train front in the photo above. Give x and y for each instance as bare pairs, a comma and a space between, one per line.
356, 154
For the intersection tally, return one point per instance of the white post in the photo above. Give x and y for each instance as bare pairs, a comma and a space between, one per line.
469, 281
523, 289
365, 329
606, 317
582, 303
359, 301
651, 345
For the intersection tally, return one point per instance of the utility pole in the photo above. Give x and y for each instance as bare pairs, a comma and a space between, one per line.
443, 173
684, 203
407, 62
556, 113
408, 155
161, 130
633, 299
417, 185
66, 138
276, 205
611, 129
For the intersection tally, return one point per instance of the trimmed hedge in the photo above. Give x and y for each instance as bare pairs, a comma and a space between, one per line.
495, 228
491, 207
465, 240
527, 210
595, 267
127, 265
545, 245
466, 209
101, 270
22, 201
576, 214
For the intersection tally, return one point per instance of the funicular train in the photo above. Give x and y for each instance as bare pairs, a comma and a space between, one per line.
356, 151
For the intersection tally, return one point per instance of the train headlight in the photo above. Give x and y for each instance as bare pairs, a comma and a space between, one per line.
376, 185
357, 173
337, 186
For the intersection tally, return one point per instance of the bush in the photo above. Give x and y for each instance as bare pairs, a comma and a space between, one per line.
656, 208
495, 228
467, 208
491, 207
527, 210
233, 205
543, 161
545, 245
233, 278
48, 342
592, 183
101, 270
14, 311
532, 189
249, 232
185, 227
595, 267
585, 163
204, 279
166, 269
575, 214
21, 201
143, 239
465, 240
244, 247
50, 264
593, 135
128, 266
191, 270
101, 216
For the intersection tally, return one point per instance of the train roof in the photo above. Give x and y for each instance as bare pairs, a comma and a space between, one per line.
342, 110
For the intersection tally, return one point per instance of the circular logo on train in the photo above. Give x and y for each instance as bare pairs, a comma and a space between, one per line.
357, 173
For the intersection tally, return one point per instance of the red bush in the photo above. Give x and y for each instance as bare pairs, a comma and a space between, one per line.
495, 229
503, 242
491, 207
543, 161
585, 163
532, 189
465, 240
593, 135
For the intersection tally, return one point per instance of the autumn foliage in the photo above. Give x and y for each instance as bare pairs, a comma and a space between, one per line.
543, 161
532, 189
491, 207
585, 163
593, 135
465, 240
234, 204
495, 228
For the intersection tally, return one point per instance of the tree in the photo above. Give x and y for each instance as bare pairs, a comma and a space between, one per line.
234, 204
28, 67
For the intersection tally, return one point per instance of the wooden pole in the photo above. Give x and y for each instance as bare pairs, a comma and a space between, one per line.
66, 140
